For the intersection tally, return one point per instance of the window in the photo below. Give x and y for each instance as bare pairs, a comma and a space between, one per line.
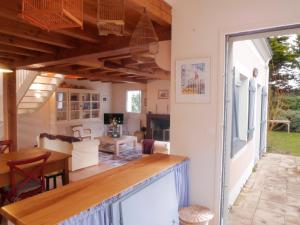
133, 104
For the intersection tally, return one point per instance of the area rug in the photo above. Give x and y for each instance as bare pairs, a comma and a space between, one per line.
127, 154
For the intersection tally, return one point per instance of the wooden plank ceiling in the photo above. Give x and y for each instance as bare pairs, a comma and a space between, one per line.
81, 52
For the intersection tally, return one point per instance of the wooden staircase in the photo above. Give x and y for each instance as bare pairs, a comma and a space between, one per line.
37, 92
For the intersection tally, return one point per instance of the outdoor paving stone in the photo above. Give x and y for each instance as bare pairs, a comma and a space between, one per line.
271, 196
293, 200
280, 209
262, 217
292, 220
274, 196
294, 189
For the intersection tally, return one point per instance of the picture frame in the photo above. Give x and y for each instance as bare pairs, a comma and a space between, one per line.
163, 94
193, 78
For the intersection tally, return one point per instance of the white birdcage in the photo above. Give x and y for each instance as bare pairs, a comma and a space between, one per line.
144, 41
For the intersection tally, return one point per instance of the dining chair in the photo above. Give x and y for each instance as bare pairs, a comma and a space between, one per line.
148, 146
5, 145
32, 180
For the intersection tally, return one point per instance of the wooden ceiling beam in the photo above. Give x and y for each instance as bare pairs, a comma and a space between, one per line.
26, 44
10, 9
11, 56
80, 34
158, 10
90, 76
35, 34
110, 46
17, 51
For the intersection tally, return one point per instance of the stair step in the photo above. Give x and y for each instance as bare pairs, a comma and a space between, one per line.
46, 80
32, 93
56, 76
41, 87
24, 111
34, 99
29, 105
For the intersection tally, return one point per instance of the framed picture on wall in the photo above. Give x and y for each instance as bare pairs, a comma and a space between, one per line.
193, 80
163, 94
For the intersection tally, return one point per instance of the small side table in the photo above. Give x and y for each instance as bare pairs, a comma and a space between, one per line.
195, 215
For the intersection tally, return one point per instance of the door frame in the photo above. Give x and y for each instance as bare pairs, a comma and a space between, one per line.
227, 40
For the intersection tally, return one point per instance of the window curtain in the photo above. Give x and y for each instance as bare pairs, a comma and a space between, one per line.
263, 126
101, 214
251, 109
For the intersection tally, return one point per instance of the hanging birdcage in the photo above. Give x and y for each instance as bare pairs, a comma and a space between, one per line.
144, 41
53, 14
111, 17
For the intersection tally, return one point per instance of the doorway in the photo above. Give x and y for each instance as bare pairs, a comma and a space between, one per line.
246, 107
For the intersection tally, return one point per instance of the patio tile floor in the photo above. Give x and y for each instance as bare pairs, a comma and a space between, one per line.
271, 195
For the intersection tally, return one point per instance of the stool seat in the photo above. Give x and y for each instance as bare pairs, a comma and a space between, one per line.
195, 214
53, 176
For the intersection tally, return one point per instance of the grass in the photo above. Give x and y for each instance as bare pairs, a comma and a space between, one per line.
284, 143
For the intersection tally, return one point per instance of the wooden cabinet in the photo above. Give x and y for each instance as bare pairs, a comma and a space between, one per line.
77, 104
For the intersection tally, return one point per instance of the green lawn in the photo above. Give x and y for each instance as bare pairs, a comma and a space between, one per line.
284, 142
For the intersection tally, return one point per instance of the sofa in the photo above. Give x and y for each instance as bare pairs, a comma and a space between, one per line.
83, 153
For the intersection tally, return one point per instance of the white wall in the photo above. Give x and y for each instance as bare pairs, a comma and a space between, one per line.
154, 104
198, 30
133, 120
31, 125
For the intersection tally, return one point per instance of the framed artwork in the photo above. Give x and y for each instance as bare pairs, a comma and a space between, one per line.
163, 94
193, 80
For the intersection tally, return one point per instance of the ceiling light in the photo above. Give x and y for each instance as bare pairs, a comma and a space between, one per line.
3, 70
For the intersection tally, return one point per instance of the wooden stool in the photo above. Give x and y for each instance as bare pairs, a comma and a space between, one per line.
195, 215
53, 176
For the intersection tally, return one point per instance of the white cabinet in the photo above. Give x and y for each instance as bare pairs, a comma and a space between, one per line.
77, 104
155, 204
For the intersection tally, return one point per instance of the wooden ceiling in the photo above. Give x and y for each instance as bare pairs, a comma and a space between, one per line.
81, 52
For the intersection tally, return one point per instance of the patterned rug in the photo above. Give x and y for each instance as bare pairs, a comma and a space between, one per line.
127, 154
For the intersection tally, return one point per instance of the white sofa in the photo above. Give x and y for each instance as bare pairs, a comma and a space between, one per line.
161, 147
83, 153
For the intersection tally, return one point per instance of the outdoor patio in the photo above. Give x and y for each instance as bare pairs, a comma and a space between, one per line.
271, 196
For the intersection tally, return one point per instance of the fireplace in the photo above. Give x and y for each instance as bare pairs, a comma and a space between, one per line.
158, 127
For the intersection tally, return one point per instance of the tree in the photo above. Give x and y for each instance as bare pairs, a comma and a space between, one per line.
284, 70
285, 63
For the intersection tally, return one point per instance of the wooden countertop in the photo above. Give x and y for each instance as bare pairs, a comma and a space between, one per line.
55, 206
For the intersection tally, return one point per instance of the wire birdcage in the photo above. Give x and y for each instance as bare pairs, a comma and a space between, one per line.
53, 14
111, 17
144, 41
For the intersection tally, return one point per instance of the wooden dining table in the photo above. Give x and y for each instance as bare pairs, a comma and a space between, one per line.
56, 162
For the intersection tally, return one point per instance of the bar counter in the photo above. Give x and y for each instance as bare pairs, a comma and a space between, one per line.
97, 194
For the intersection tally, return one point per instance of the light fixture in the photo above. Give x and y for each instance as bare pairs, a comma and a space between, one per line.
144, 41
4, 70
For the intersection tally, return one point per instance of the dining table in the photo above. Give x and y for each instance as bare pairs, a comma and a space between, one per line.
56, 162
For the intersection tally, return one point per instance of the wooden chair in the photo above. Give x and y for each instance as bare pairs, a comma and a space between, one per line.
5, 145
32, 182
81, 133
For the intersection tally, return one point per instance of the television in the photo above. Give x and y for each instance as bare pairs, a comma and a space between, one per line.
108, 117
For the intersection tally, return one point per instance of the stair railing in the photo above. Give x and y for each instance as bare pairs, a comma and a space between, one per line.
24, 80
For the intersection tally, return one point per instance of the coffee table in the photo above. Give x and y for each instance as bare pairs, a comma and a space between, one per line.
117, 142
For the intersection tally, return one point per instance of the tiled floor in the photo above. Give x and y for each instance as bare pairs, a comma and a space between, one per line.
271, 196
